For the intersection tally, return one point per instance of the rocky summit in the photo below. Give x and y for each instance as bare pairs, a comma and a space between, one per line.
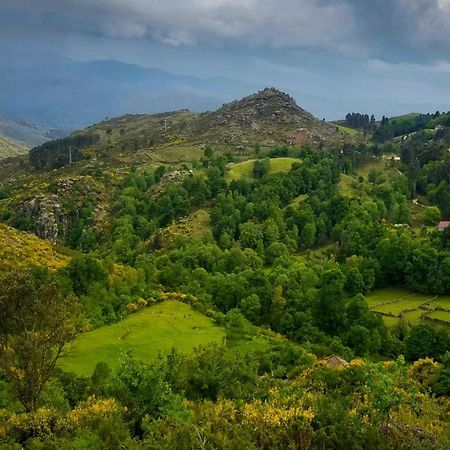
268, 117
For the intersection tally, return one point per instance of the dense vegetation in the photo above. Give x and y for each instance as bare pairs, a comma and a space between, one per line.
389, 128
281, 271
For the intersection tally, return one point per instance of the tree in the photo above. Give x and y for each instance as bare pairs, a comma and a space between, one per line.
431, 215
424, 341
261, 167
330, 306
250, 234
358, 338
251, 307
36, 322
308, 235
85, 270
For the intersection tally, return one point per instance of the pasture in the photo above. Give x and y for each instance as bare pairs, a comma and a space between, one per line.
153, 330
416, 308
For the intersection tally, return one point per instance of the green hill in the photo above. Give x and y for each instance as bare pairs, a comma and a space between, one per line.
268, 118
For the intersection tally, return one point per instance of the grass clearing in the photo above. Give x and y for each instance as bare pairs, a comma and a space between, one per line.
172, 154
350, 131
297, 201
400, 306
145, 334
197, 224
414, 317
245, 169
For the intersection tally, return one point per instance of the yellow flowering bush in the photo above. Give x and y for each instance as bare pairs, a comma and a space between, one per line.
423, 370
20, 250
40, 423
93, 410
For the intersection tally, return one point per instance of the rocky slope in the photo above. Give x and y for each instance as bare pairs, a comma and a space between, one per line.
269, 117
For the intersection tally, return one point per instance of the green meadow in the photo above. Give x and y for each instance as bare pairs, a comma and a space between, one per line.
143, 334
245, 169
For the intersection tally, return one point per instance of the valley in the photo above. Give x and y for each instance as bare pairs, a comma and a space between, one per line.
251, 272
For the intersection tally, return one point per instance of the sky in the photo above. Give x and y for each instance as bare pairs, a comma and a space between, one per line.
334, 56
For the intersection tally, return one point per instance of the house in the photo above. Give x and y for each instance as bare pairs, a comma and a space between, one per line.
441, 226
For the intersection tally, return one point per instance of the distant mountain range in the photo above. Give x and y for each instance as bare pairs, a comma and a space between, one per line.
30, 134
61, 93
10, 147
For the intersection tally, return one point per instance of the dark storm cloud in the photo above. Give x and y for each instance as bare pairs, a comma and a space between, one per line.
384, 29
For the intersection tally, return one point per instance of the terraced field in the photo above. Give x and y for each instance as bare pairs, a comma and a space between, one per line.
396, 303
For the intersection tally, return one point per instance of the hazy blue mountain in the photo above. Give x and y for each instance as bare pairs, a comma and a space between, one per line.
50, 89
30, 134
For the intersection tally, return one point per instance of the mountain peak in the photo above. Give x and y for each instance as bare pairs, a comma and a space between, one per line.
269, 104
268, 117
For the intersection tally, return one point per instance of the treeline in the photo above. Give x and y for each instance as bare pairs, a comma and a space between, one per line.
60, 152
360, 121
427, 163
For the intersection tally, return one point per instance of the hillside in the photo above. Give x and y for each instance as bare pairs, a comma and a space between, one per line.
268, 118
313, 291
10, 147
19, 250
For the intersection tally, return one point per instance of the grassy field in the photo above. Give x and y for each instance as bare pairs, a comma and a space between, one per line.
349, 185
197, 224
146, 333
410, 305
386, 295
245, 169
442, 302
441, 315
350, 131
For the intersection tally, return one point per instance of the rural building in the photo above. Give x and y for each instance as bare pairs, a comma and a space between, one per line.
441, 226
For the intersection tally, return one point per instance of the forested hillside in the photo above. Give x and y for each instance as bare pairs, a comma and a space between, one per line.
187, 281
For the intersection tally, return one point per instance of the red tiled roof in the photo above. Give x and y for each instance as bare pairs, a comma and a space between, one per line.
443, 225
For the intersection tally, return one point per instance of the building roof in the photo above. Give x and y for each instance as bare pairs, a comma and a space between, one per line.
443, 225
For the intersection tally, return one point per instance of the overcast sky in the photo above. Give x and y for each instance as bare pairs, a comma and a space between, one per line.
334, 56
